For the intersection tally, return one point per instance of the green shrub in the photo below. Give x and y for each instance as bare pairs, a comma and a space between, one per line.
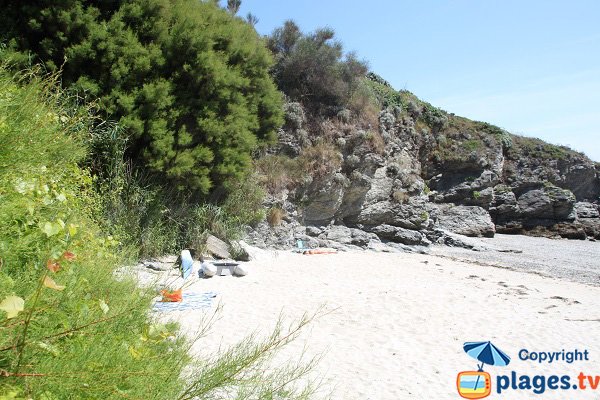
188, 82
472, 145
312, 68
383, 92
68, 328
80, 329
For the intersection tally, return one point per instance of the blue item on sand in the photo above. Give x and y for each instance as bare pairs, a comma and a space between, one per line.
190, 301
186, 264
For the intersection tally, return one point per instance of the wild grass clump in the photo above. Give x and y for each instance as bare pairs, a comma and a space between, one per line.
320, 160
278, 172
275, 216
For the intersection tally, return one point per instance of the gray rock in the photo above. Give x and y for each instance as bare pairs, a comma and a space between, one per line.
549, 202
240, 270
586, 210
208, 270
313, 231
339, 234
157, 266
413, 215
398, 234
217, 247
360, 238
324, 200
466, 220
442, 236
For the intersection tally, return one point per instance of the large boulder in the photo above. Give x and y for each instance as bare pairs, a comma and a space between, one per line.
398, 234
466, 220
412, 215
347, 236
324, 198
549, 202
217, 247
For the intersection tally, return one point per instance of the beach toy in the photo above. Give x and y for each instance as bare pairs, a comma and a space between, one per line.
186, 263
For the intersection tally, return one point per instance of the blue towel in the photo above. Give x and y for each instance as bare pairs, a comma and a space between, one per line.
190, 301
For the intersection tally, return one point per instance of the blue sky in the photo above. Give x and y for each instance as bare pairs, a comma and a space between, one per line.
529, 66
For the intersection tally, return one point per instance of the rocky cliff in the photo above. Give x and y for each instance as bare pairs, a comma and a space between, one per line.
413, 174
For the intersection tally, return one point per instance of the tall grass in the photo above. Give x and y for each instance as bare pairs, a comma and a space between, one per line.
155, 220
68, 329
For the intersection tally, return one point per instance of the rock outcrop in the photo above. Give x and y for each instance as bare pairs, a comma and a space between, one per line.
421, 175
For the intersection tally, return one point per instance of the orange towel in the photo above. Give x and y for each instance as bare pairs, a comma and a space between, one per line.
170, 297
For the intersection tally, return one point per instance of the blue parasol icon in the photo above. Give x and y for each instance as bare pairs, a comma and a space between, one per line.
487, 353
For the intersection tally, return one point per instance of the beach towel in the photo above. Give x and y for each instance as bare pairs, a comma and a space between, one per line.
190, 301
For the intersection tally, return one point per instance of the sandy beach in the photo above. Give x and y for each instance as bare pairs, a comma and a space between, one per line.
396, 322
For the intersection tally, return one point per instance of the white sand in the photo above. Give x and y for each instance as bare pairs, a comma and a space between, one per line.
399, 320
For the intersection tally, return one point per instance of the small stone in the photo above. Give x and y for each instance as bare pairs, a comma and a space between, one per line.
208, 270
240, 270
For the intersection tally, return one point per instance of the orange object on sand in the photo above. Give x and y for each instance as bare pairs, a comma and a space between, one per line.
320, 251
170, 297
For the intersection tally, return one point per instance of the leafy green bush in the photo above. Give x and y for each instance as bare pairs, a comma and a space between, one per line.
187, 81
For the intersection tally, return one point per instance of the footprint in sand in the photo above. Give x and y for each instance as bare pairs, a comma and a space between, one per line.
565, 300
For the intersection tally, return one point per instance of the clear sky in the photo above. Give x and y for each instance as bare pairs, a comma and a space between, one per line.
529, 66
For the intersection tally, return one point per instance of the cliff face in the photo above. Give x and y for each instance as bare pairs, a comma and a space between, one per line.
414, 173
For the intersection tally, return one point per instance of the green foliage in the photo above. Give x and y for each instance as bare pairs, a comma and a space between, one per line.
472, 144
386, 95
245, 201
476, 194
68, 328
187, 81
311, 68
538, 149
80, 330
500, 134
433, 116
